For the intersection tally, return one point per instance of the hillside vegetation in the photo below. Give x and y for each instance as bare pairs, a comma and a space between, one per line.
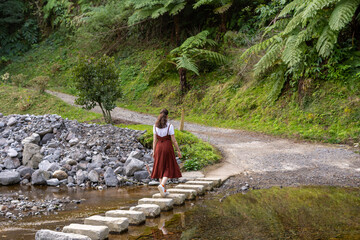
292, 67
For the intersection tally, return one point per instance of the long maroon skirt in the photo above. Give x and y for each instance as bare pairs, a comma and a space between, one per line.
165, 164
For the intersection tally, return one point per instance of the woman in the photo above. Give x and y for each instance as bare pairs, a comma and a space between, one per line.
165, 165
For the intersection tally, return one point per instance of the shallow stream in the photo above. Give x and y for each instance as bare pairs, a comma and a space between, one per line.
275, 213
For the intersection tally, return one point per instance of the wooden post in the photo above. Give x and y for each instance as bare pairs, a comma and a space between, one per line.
182, 119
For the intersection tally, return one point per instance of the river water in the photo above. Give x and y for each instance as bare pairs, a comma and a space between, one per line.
94, 202
305, 212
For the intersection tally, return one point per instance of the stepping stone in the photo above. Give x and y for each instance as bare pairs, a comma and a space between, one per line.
150, 210
45, 234
216, 181
93, 232
200, 189
207, 184
189, 193
165, 204
135, 217
177, 197
115, 224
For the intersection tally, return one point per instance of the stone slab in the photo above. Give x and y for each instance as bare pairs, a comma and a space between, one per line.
135, 217
150, 210
178, 198
115, 224
207, 184
45, 234
217, 181
93, 232
200, 189
165, 204
189, 193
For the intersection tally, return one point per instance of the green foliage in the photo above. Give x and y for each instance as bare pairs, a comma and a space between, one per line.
40, 83
153, 9
343, 14
18, 29
18, 80
314, 24
191, 52
97, 82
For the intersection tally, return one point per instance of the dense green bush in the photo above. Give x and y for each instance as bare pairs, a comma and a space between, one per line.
97, 82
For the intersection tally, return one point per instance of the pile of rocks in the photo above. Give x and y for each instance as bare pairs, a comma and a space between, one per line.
50, 150
15, 208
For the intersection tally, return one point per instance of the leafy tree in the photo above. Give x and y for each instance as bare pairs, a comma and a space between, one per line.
97, 82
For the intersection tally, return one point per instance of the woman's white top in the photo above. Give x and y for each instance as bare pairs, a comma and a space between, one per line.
162, 132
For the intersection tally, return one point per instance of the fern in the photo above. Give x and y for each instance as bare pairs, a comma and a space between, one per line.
224, 8
294, 23
326, 41
186, 62
177, 9
202, 2
290, 7
343, 14
279, 81
269, 59
210, 55
260, 46
315, 6
292, 54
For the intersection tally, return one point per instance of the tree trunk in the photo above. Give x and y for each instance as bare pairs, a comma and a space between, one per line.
223, 22
183, 83
182, 119
177, 29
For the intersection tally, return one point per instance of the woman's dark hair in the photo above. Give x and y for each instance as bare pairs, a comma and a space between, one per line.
162, 119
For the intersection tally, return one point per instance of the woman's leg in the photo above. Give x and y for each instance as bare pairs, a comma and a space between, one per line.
163, 181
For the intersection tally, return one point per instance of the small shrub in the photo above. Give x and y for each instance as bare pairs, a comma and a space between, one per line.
98, 83
18, 80
40, 83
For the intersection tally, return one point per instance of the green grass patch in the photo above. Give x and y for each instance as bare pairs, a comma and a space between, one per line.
196, 154
16, 100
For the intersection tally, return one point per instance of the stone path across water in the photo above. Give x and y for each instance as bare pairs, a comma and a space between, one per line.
272, 158
98, 227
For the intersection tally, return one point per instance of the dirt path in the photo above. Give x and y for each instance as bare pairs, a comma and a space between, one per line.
253, 155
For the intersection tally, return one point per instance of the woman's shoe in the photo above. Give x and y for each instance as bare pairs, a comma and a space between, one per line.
162, 190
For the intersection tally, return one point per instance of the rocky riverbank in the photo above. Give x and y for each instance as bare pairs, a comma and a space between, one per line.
50, 150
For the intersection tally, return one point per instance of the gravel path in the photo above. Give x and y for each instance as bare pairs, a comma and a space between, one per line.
254, 156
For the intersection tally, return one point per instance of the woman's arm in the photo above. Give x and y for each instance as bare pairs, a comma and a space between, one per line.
176, 145
154, 144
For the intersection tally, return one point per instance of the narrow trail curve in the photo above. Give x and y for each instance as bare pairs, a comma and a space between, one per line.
253, 153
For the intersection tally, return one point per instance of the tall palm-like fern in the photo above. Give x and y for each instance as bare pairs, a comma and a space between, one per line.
313, 24
187, 57
192, 51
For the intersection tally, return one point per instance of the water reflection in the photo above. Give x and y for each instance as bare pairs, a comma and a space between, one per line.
94, 202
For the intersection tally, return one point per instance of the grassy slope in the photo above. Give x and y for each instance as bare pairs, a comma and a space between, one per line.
16, 100
330, 112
